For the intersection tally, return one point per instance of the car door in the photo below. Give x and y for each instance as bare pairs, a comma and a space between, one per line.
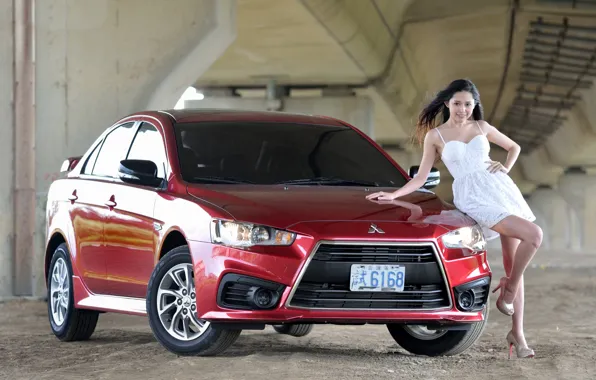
89, 210
131, 231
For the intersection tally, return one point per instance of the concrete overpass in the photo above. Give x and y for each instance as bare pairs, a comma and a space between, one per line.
70, 68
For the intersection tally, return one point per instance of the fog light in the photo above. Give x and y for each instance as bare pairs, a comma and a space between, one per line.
262, 298
466, 299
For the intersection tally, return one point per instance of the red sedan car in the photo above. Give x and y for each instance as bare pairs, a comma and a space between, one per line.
210, 222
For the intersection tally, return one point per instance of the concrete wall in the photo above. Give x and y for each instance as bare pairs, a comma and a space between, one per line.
98, 61
6, 148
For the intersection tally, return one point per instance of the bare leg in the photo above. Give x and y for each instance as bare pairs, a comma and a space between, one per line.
530, 236
509, 245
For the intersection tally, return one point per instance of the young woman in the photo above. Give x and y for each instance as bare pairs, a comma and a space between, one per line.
481, 189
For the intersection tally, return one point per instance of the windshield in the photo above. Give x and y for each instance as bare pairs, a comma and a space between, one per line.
273, 153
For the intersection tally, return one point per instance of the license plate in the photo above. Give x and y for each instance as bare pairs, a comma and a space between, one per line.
377, 278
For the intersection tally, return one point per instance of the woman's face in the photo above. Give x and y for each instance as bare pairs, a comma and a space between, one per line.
461, 106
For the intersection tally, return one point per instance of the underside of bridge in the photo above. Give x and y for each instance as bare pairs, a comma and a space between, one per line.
71, 70
533, 61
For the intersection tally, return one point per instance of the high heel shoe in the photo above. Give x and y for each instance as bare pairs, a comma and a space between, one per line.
522, 352
505, 308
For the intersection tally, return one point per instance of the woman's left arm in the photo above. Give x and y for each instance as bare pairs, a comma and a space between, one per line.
513, 149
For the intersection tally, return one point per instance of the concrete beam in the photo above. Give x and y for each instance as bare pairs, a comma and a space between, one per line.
337, 18
360, 28
217, 35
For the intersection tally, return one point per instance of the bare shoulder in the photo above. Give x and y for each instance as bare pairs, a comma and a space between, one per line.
486, 127
432, 137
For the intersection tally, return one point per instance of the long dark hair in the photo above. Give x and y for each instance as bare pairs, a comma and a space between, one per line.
428, 115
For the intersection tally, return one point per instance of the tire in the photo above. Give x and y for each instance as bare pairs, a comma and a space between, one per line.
297, 330
67, 322
446, 343
202, 338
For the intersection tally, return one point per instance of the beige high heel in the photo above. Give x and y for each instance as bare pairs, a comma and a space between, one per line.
522, 352
505, 308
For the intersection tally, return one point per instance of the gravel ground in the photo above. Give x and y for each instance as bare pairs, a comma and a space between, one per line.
560, 326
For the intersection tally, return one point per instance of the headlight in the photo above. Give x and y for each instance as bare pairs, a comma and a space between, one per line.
465, 237
238, 234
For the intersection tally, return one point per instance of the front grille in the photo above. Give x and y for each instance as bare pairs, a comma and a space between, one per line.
325, 283
374, 254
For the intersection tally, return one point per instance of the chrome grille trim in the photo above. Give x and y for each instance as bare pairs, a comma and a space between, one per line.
371, 243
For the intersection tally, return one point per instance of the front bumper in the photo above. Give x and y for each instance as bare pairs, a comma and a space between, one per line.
310, 281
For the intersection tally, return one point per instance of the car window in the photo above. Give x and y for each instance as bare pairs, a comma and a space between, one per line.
88, 168
148, 145
113, 151
267, 153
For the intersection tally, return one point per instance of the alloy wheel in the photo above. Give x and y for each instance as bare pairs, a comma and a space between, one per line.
176, 304
59, 292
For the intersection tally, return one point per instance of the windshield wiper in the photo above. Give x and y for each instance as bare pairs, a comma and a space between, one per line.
216, 179
328, 181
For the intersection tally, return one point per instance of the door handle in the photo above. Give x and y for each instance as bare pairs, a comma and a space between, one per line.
73, 197
111, 203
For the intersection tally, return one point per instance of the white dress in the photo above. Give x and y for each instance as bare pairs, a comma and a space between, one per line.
486, 197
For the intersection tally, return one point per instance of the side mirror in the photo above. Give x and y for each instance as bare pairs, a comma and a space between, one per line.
139, 172
433, 179
69, 164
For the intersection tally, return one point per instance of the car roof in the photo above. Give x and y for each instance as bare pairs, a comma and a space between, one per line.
193, 115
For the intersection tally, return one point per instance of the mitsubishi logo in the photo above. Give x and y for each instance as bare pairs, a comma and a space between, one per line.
373, 228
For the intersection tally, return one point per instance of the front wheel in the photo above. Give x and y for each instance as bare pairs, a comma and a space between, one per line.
419, 340
67, 322
172, 310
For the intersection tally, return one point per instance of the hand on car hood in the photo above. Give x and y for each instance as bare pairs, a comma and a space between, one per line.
283, 207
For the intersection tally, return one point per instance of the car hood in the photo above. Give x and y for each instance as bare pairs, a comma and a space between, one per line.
283, 207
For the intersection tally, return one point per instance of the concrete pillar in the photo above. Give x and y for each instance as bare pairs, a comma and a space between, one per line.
6, 148
97, 61
578, 188
556, 218
543, 222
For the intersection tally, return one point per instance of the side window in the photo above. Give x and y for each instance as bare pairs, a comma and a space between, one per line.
88, 168
113, 151
148, 145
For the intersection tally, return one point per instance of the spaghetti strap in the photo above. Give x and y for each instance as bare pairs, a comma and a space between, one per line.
440, 135
478, 125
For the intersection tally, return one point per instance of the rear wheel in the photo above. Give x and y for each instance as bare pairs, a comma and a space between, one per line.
419, 340
67, 322
297, 330
172, 310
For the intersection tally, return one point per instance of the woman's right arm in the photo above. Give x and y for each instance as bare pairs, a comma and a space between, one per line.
428, 159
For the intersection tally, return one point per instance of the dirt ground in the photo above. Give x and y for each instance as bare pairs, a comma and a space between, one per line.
560, 326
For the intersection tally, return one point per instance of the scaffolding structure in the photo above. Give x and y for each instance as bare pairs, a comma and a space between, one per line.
559, 61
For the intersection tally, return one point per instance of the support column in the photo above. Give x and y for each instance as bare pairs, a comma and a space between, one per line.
100, 60
6, 148
577, 188
24, 149
556, 218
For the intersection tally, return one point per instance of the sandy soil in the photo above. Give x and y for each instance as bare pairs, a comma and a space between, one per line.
561, 327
